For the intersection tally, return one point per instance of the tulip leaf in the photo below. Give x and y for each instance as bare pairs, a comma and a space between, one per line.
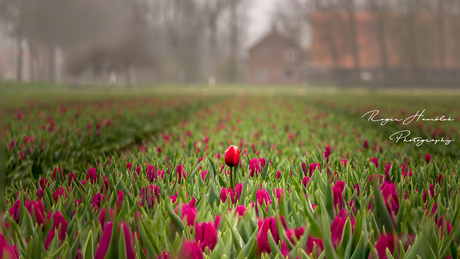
250, 247
344, 249
63, 249
89, 251
235, 236
273, 246
330, 252
191, 176
264, 171
212, 195
213, 167
360, 250
383, 217
122, 253
175, 219
218, 251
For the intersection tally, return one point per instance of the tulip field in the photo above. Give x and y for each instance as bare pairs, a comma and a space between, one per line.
230, 176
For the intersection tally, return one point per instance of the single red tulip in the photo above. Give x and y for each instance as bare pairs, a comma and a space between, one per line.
232, 156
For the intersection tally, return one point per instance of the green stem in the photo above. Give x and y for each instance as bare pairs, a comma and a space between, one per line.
231, 178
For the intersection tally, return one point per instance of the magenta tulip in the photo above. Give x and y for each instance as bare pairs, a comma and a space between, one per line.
384, 242
206, 235
190, 250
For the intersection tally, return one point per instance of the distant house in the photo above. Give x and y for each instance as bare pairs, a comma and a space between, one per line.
274, 59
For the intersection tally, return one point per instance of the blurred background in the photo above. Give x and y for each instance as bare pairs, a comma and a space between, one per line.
376, 43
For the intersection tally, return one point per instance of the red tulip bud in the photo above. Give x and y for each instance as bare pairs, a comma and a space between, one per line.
232, 156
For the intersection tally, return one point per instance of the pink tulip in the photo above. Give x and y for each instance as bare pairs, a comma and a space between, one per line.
337, 191
384, 242
97, 199
224, 193
189, 213
58, 172
266, 225
72, 178
14, 210
254, 167
180, 173
375, 161
311, 242
427, 158
103, 246
6, 250
305, 181
206, 235
38, 208
390, 195
240, 210
151, 173
313, 167
91, 175
119, 203
262, 197
190, 250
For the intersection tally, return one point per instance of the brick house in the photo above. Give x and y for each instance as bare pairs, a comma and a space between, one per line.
274, 59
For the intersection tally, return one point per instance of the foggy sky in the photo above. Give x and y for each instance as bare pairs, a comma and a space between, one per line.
260, 21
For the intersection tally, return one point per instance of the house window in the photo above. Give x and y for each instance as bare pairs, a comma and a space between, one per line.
288, 74
261, 74
264, 54
290, 55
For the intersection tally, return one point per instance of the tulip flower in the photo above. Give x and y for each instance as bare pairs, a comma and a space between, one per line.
103, 246
14, 210
440, 224
6, 250
72, 178
206, 235
119, 203
254, 167
97, 199
190, 250
266, 225
427, 158
58, 172
390, 195
104, 243
224, 194
384, 242
305, 181
262, 197
217, 221
375, 161
189, 213
38, 208
232, 158
91, 175
240, 210
180, 173
313, 167
366, 144
337, 230
151, 173
337, 191
311, 242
